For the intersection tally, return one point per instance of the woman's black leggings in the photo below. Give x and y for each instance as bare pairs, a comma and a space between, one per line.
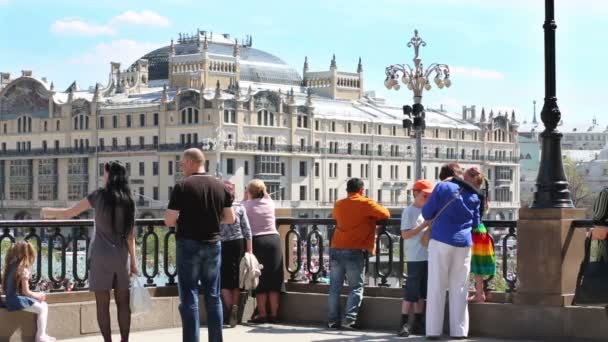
121, 297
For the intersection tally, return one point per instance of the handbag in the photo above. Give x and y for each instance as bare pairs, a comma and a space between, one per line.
592, 280
140, 301
426, 236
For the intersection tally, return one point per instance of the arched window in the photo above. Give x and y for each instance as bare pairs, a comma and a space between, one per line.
265, 118
189, 115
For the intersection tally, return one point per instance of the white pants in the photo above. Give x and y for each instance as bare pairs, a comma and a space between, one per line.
449, 269
42, 310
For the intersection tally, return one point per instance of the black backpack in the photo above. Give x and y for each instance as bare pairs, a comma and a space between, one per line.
600, 208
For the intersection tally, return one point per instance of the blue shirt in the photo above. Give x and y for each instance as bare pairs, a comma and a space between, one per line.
455, 223
414, 250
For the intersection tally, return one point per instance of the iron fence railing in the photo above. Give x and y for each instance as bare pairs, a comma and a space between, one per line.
63, 248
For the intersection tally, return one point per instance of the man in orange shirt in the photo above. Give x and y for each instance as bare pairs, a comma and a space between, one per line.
355, 234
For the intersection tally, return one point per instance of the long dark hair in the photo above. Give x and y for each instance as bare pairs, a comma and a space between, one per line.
116, 194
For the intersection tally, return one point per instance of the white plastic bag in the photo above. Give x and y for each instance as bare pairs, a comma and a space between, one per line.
140, 301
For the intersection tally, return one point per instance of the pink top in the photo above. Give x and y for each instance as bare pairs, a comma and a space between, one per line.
261, 215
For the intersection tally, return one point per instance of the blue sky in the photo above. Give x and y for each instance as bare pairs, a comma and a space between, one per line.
494, 47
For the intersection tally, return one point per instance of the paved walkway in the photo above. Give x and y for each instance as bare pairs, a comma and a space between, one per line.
272, 333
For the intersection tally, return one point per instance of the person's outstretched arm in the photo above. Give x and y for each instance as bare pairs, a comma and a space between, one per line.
66, 213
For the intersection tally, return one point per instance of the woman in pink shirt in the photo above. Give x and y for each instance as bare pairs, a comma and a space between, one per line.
266, 248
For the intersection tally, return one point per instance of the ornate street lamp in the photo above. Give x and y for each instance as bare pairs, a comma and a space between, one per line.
417, 80
551, 184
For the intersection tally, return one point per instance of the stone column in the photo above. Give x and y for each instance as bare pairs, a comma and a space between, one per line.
549, 253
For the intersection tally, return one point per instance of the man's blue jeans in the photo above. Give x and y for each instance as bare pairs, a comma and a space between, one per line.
349, 263
196, 262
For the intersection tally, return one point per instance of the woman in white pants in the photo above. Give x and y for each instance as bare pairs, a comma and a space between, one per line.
454, 207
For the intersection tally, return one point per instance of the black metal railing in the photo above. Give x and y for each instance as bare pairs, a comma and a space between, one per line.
307, 243
388, 265
56, 241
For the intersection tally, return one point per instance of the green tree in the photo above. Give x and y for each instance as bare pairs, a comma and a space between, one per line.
578, 185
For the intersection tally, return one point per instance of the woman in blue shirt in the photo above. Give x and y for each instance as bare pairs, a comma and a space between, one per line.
454, 207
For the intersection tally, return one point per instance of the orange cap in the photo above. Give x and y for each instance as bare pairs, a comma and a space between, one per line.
423, 185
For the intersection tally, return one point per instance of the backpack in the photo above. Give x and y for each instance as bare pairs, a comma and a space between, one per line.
600, 208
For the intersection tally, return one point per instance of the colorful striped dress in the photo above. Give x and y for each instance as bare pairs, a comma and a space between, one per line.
483, 261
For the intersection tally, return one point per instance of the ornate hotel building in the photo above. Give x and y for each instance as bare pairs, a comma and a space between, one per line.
305, 134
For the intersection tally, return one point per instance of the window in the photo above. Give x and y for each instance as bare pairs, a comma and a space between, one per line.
333, 126
57, 126
102, 123
409, 172
230, 166
379, 195
229, 116
394, 130
302, 121
317, 166
436, 133
5, 128
128, 167
142, 120
317, 125
303, 169
348, 127
102, 169
169, 191
101, 143
155, 119
450, 134
317, 194
282, 169
349, 170
142, 142
379, 150
396, 171
129, 120
462, 135
265, 118
114, 143
155, 193
436, 172
246, 168
56, 145
364, 129
128, 142
379, 171
142, 168
170, 168
302, 144
349, 148
114, 121
154, 168
155, 141
362, 149
475, 136
436, 152
302, 192
379, 129
462, 154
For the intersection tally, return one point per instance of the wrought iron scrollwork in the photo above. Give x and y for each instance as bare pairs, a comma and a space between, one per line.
170, 275
293, 272
317, 235
144, 256
378, 273
56, 282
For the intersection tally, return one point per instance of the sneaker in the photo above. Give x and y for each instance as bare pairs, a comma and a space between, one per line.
348, 324
333, 325
404, 331
234, 316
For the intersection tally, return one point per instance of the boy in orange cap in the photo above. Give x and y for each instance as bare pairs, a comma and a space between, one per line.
412, 226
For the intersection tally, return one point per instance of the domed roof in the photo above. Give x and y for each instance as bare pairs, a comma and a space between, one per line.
256, 65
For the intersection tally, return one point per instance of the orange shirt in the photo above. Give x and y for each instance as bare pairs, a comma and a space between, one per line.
356, 218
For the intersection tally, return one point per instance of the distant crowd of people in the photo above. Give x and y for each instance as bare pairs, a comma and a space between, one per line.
225, 245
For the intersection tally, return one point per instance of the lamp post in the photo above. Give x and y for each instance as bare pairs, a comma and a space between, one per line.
417, 80
551, 183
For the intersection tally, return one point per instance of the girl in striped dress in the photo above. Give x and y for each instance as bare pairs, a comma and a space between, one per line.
483, 260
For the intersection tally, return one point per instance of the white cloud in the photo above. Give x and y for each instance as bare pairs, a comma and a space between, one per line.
124, 51
477, 73
77, 27
145, 18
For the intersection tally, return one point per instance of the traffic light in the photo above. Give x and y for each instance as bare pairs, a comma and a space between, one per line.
407, 123
417, 109
407, 110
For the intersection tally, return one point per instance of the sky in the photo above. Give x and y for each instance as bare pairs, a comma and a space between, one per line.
493, 47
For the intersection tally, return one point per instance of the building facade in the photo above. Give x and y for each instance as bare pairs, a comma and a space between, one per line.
253, 115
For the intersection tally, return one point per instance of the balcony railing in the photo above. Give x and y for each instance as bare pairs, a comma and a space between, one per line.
253, 147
